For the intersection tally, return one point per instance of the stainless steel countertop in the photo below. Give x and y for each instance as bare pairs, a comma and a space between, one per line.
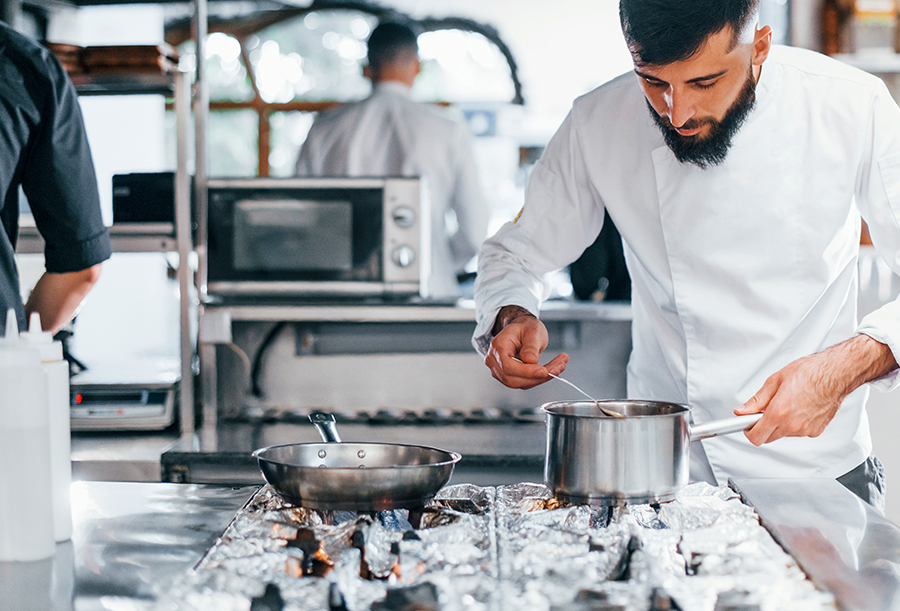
120, 456
842, 543
130, 541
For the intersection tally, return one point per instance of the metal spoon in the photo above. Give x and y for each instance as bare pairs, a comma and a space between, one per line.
606, 412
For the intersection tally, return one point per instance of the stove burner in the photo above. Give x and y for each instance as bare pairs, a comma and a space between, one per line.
503, 548
622, 570
422, 597
314, 562
589, 600
432, 417
271, 600
660, 601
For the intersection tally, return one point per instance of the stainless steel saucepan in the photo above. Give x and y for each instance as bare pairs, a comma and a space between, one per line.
354, 476
644, 457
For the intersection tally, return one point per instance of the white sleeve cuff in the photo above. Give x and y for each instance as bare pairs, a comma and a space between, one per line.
482, 337
883, 325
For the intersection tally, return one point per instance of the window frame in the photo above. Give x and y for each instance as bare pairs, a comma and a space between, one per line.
250, 24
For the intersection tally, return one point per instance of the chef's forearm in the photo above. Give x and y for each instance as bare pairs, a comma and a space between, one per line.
56, 297
857, 361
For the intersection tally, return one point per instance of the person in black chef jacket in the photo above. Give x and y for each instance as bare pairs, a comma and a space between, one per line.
45, 151
600, 274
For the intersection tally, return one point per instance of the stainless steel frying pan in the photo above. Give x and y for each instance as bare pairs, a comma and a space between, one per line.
354, 476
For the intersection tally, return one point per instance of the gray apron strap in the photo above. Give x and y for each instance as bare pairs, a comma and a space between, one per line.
867, 482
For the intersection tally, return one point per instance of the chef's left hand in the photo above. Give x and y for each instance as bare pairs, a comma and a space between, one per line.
802, 398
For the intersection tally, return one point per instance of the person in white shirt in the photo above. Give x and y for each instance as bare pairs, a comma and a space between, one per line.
737, 173
388, 134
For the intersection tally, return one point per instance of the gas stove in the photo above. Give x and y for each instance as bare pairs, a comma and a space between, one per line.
394, 417
498, 548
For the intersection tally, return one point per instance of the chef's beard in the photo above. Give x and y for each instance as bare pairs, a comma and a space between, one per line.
711, 149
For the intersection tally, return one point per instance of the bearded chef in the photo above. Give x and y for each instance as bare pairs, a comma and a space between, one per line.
737, 173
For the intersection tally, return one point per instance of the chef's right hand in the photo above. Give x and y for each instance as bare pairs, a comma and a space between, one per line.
519, 339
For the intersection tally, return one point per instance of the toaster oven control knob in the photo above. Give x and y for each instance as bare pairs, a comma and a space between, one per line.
404, 217
403, 255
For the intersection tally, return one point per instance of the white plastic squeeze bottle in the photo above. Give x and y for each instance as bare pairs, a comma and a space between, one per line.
57, 371
26, 514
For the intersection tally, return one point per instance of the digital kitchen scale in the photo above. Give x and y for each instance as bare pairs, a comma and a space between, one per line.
134, 397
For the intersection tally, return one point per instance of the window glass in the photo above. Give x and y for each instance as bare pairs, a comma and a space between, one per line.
288, 131
225, 71
459, 66
233, 138
314, 57
318, 56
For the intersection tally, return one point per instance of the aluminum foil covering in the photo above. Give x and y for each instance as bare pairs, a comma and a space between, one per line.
498, 548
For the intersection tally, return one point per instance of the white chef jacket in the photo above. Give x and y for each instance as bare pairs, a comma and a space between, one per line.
738, 269
388, 134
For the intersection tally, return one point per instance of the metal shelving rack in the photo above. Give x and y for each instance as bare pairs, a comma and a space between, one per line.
157, 237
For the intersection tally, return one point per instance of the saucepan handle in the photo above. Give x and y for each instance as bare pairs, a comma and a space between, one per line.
326, 426
724, 426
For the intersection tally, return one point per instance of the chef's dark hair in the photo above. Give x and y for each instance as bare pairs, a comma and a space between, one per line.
664, 31
388, 40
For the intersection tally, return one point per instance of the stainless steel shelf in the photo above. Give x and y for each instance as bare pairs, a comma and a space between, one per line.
464, 311
125, 83
158, 237
152, 238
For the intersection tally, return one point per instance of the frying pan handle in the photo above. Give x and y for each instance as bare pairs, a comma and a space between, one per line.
326, 426
721, 427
